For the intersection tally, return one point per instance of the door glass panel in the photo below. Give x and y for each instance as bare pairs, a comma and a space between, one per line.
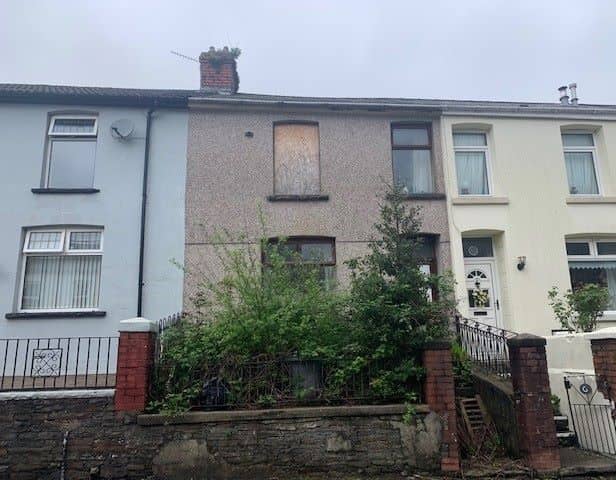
477, 247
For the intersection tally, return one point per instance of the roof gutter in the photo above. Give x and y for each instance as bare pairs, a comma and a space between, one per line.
571, 112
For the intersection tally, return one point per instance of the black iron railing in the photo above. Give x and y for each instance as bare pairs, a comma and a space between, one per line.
285, 382
486, 345
58, 363
169, 321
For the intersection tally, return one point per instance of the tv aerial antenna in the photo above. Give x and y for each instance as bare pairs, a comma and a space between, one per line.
185, 57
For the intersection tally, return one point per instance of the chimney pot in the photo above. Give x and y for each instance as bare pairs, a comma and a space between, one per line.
219, 71
564, 98
573, 90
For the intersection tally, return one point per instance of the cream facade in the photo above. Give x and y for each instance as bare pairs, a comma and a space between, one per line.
529, 211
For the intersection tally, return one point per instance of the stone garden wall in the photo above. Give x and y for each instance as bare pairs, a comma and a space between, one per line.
103, 443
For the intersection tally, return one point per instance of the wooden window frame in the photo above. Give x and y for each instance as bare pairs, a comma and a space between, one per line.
278, 123
304, 239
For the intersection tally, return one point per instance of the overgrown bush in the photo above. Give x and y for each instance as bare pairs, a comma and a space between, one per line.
376, 328
395, 307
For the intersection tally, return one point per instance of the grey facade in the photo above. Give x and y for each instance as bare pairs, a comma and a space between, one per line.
230, 180
115, 208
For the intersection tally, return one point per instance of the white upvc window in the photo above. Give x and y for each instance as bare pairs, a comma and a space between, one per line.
581, 163
61, 270
71, 151
472, 162
593, 261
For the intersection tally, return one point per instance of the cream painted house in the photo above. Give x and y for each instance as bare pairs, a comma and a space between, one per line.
531, 196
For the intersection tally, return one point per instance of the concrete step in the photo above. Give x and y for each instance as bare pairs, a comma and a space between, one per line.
566, 439
562, 423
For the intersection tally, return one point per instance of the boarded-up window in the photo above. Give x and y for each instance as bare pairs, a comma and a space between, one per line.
296, 159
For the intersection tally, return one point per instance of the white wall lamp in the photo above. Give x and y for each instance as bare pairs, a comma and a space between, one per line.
521, 263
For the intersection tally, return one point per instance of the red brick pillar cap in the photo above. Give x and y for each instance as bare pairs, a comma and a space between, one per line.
526, 340
603, 334
437, 345
138, 324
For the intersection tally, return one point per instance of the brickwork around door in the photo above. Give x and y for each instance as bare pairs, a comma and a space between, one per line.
604, 360
135, 363
537, 439
439, 392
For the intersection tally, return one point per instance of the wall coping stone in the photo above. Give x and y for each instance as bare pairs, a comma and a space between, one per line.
526, 340
603, 334
50, 394
278, 414
138, 324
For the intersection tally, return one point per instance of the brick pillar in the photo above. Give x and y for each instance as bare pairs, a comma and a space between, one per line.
440, 396
531, 392
603, 346
135, 361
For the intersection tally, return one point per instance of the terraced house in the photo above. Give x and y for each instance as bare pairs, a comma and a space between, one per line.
311, 167
516, 197
92, 212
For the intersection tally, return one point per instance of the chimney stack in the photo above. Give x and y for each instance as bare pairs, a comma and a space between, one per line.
219, 70
573, 90
564, 98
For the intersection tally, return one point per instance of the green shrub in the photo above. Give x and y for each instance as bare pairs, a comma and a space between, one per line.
376, 329
578, 310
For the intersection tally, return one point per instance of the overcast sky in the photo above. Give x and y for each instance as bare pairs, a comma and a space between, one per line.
473, 49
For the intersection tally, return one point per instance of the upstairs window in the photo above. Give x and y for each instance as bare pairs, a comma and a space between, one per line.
412, 158
71, 151
61, 269
317, 251
593, 261
471, 151
580, 160
296, 159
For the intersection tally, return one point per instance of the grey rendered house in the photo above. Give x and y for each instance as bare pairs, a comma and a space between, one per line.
312, 167
85, 241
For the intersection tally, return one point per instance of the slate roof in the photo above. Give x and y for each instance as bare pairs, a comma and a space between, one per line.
75, 95
63, 94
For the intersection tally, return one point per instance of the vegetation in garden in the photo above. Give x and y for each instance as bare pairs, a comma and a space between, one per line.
578, 310
263, 313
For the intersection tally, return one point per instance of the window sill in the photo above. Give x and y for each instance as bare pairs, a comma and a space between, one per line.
575, 200
52, 314
424, 196
480, 201
64, 190
298, 198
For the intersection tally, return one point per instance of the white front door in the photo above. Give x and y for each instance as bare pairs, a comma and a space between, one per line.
481, 291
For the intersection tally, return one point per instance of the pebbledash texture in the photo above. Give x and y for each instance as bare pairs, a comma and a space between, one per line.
101, 443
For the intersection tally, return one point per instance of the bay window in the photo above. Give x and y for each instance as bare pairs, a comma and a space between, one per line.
61, 269
593, 261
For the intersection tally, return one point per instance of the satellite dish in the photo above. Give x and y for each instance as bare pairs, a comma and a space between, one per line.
122, 128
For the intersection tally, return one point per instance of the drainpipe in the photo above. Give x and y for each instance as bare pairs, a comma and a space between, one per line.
144, 197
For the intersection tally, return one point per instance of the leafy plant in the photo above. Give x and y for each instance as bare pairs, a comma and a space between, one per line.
555, 401
578, 310
462, 365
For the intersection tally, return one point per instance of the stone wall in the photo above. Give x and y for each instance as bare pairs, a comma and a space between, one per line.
102, 443
497, 396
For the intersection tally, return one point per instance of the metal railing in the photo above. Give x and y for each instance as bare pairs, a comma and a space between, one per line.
169, 321
58, 363
286, 382
486, 345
